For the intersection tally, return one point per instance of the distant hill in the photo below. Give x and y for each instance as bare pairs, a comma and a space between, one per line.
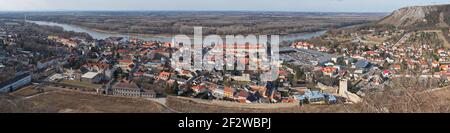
433, 16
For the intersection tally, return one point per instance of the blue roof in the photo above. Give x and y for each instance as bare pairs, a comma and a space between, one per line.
314, 94
362, 64
153, 63
331, 98
301, 97
13, 80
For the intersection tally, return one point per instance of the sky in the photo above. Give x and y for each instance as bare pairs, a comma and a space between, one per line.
214, 5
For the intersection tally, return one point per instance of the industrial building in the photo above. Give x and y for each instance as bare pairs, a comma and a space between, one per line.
15, 83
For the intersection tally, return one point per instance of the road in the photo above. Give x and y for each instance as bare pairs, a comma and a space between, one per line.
403, 39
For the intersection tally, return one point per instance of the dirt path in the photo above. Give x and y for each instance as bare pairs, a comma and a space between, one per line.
162, 102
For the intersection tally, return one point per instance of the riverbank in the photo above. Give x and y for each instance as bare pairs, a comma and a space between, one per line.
102, 34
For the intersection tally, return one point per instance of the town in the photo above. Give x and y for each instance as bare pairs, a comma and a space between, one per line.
339, 67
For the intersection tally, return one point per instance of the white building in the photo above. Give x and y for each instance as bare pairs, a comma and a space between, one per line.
46, 63
243, 78
91, 77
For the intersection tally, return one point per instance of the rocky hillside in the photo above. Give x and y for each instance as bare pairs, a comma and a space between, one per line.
435, 16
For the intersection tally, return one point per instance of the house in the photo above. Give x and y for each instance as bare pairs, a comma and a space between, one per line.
359, 72
186, 73
329, 71
166, 44
15, 83
314, 97
241, 96
443, 67
115, 40
218, 92
370, 53
300, 98
397, 67
105, 69
362, 64
125, 64
64, 41
389, 60
337, 59
303, 45
330, 99
198, 88
138, 74
122, 52
164, 76
424, 64
260, 89
229, 92
435, 64
91, 77
323, 88
153, 64
411, 65
42, 64
243, 78
386, 73
69, 43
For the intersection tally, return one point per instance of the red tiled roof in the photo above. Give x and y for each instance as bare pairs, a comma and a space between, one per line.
99, 65
122, 51
164, 74
282, 72
185, 72
386, 72
228, 89
138, 73
198, 87
328, 69
242, 94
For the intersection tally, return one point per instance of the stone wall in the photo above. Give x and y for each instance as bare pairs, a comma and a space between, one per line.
190, 105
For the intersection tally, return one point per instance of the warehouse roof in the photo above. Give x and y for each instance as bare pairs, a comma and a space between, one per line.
90, 75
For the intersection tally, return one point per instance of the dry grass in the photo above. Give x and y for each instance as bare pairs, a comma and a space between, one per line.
53, 101
405, 96
66, 101
26, 91
76, 83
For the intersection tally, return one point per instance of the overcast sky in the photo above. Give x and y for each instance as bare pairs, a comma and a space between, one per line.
215, 5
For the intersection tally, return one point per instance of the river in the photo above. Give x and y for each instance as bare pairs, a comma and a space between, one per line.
102, 35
